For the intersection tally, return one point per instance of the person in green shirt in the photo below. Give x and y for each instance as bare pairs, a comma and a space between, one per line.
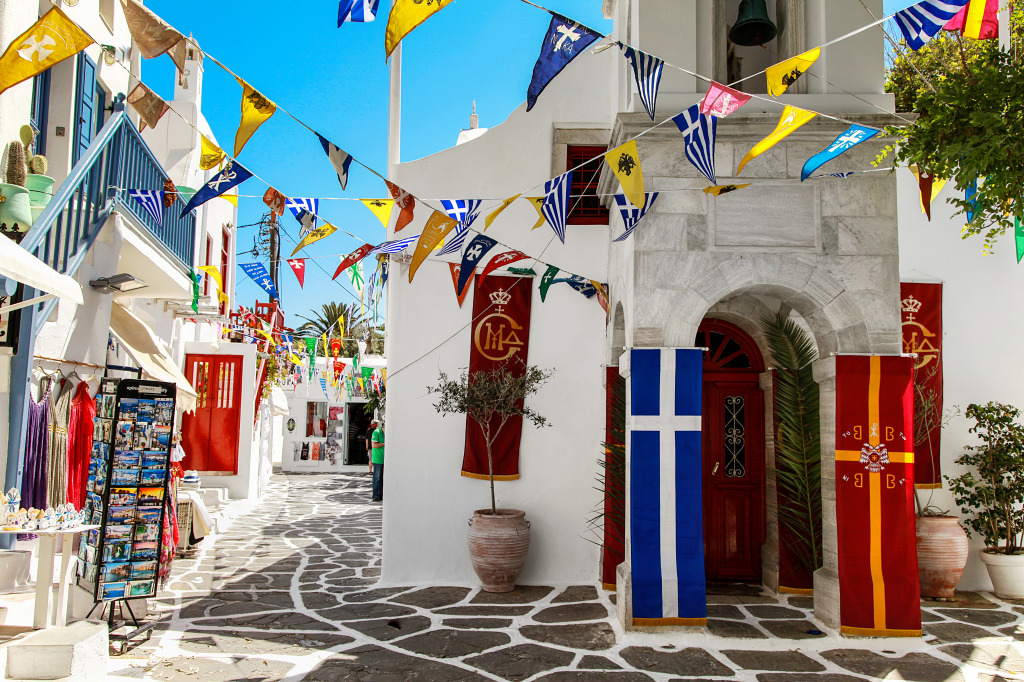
377, 462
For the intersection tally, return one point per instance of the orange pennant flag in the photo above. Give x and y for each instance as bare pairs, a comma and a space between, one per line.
438, 225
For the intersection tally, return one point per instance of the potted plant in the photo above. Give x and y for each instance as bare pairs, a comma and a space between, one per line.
499, 539
37, 182
15, 211
992, 488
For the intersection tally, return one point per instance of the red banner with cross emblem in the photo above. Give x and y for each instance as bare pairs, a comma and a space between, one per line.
500, 337
921, 312
879, 592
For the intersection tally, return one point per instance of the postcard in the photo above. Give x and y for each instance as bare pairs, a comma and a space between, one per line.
142, 437
124, 435
121, 531
113, 591
144, 551
127, 459
121, 515
164, 412
124, 477
146, 410
147, 532
153, 477
93, 537
148, 515
113, 572
148, 496
122, 497
161, 438
100, 484
117, 550
129, 408
96, 518
140, 588
91, 572
142, 570
154, 460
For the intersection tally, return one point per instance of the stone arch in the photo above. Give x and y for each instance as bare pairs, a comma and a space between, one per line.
617, 332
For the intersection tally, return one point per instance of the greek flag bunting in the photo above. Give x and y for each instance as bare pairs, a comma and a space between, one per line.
665, 499
631, 215
234, 174
395, 246
151, 201
699, 133
563, 42
458, 239
357, 11
465, 211
853, 136
647, 72
555, 208
300, 208
340, 159
920, 22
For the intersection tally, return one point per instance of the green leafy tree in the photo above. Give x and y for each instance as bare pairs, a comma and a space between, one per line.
356, 327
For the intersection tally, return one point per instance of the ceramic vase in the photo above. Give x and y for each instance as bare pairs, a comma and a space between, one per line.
941, 554
1006, 572
498, 544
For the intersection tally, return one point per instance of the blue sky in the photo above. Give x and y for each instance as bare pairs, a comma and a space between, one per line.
336, 81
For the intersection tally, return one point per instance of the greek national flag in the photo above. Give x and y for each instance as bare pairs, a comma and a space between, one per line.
358, 11
647, 71
631, 215
555, 208
699, 133
920, 22
151, 201
305, 211
465, 211
665, 500
396, 246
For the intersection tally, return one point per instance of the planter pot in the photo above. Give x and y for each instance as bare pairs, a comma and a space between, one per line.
15, 210
1007, 574
941, 554
40, 189
498, 545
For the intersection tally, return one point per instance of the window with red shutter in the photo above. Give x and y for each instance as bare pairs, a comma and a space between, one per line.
585, 205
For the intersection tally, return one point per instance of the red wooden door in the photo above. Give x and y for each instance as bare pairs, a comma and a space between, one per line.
210, 434
733, 454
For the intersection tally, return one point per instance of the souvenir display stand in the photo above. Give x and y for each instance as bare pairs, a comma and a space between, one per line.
127, 485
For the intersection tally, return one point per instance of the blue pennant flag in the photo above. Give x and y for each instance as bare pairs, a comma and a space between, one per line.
579, 284
383, 273
647, 72
475, 252
969, 193
853, 136
340, 159
555, 207
234, 174
631, 215
699, 132
919, 23
151, 201
258, 273
305, 211
395, 246
323, 383
564, 40
357, 11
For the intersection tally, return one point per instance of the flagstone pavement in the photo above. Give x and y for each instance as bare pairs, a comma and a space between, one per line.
287, 593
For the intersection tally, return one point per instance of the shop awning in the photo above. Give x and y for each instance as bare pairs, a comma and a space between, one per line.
148, 350
18, 264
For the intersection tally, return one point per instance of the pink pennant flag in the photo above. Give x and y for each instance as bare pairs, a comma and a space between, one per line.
722, 100
299, 268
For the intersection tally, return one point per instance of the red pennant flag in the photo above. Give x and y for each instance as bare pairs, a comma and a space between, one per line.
405, 201
349, 260
456, 269
925, 182
275, 201
500, 260
336, 348
339, 367
979, 20
721, 100
299, 268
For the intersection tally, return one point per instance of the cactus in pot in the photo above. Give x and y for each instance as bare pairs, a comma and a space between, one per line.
16, 164
38, 183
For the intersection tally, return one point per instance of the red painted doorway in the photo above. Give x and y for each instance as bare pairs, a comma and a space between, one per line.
210, 434
732, 453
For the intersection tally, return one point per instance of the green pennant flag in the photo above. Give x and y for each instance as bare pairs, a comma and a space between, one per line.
367, 371
195, 291
523, 272
546, 281
1018, 233
311, 350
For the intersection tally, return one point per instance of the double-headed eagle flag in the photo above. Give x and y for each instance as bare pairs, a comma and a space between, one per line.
357, 11
210, 155
853, 136
151, 201
564, 40
631, 215
381, 208
325, 230
780, 76
647, 72
919, 23
407, 15
50, 40
555, 207
699, 133
256, 110
340, 159
792, 118
234, 174
624, 161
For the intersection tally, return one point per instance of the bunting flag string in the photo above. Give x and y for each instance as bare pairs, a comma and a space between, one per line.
647, 73
233, 175
555, 207
256, 110
631, 215
299, 268
300, 206
780, 76
792, 118
405, 16
919, 23
395, 246
149, 106
564, 41
853, 136
624, 162
52, 39
151, 201
357, 11
699, 135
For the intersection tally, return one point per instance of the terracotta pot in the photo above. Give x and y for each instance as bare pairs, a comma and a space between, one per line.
1006, 572
941, 554
498, 545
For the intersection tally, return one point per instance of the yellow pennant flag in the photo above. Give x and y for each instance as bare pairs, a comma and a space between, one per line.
325, 230
723, 189
407, 15
538, 203
624, 161
494, 214
256, 109
214, 274
211, 156
782, 75
324, 339
381, 208
792, 118
267, 336
295, 359
341, 325
438, 225
230, 198
52, 39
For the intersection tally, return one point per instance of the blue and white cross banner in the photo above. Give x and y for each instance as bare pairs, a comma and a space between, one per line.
631, 215
465, 211
305, 211
919, 23
357, 11
564, 40
395, 246
699, 132
647, 72
665, 500
258, 273
853, 136
234, 174
151, 201
555, 207
340, 159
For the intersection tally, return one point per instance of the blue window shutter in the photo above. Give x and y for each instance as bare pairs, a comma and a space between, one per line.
101, 106
40, 108
85, 107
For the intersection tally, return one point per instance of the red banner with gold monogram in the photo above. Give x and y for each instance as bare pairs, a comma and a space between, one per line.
500, 337
921, 312
879, 592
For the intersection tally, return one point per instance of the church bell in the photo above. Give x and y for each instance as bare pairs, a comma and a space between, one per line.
753, 26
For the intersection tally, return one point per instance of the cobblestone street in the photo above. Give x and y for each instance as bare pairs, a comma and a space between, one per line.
288, 594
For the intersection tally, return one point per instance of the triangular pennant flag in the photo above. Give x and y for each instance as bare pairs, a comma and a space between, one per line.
458, 239
602, 295
624, 161
357, 11
699, 135
149, 105
152, 201
464, 211
538, 203
396, 245
405, 16
564, 40
853, 136
340, 159
501, 260
381, 208
579, 284
930, 186
256, 110
979, 20
721, 100
195, 290
299, 268
782, 75
475, 252
969, 193
210, 156
718, 190
647, 73
631, 215
555, 208
920, 22
304, 208
275, 201
494, 214
258, 273
357, 277
153, 36
50, 40
233, 175
351, 258
438, 225
546, 281
1018, 235
791, 119
406, 203
460, 295
316, 235
213, 273
230, 198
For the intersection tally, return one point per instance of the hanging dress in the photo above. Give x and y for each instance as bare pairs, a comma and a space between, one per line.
37, 439
57, 463
80, 429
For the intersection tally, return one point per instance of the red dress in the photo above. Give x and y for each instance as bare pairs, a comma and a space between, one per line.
83, 412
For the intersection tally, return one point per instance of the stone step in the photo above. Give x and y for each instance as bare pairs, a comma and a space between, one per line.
76, 652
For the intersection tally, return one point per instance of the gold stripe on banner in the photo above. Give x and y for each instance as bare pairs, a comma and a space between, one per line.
609, 587
497, 477
927, 486
796, 590
894, 457
872, 632
875, 494
662, 622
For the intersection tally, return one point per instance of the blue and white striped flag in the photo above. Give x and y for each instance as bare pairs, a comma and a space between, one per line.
665, 497
340, 159
699, 133
465, 211
457, 240
631, 215
151, 201
647, 71
920, 22
555, 208
357, 11
395, 246
305, 211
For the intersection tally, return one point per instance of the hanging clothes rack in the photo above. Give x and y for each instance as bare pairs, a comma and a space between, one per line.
62, 361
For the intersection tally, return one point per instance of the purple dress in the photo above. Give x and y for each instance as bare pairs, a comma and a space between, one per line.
33, 481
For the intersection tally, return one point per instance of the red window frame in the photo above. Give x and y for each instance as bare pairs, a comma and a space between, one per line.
585, 204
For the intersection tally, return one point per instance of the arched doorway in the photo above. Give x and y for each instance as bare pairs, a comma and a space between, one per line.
732, 453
